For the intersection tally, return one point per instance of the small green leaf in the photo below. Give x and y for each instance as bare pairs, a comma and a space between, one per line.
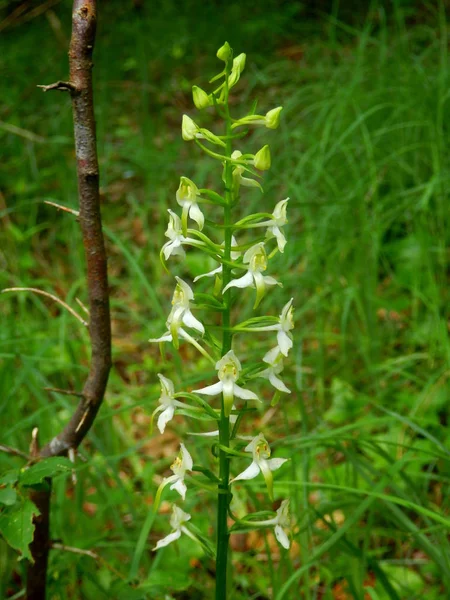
16, 526
10, 477
8, 496
49, 467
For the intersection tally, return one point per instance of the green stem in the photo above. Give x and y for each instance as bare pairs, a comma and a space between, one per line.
224, 423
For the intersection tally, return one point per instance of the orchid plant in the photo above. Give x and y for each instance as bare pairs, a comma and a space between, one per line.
243, 256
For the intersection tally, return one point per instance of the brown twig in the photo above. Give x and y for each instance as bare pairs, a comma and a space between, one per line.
48, 295
65, 392
90, 553
84, 19
13, 451
61, 86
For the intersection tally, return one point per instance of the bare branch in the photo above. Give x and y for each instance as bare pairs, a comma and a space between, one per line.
65, 392
13, 451
47, 295
61, 86
61, 207
84, 20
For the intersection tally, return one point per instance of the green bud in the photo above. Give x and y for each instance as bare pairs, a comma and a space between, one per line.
201, 98
262, 159
272, 119
224, 52
189, 130
238, 67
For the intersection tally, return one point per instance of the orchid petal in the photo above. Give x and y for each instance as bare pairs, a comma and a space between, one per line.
242, 282
168, 539
189, 320
211, 390
180, 487
250, 472
244, 394
281, 536
165, 417
196, 215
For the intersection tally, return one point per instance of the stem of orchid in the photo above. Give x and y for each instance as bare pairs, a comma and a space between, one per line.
224, 423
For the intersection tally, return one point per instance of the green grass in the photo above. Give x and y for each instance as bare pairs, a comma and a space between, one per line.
362, 153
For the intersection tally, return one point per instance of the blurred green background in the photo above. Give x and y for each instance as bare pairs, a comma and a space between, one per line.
362, 153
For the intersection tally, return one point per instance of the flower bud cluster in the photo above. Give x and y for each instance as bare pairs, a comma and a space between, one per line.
242, 264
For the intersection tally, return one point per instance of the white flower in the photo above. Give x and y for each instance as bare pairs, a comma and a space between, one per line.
176, 238
282, 524
274, 358
177, 522
167, 403
187, 198
181, 464
180, 315
228, 368
256, 258
260, 450
283, 328
175, 235
234, 255
278, 220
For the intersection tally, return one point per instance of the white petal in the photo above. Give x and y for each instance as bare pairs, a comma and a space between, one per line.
244, 394
268, 280
189, 320
284, 342
209, 274
167, 337
196, 214
180, 487
281, 536
210, 390
168, 539
276, 232
165, 417
186, 458
207, 434
271, 356
278, 384
276, 463
243, 282
250, 472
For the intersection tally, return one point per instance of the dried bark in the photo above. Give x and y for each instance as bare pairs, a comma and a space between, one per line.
84, 19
